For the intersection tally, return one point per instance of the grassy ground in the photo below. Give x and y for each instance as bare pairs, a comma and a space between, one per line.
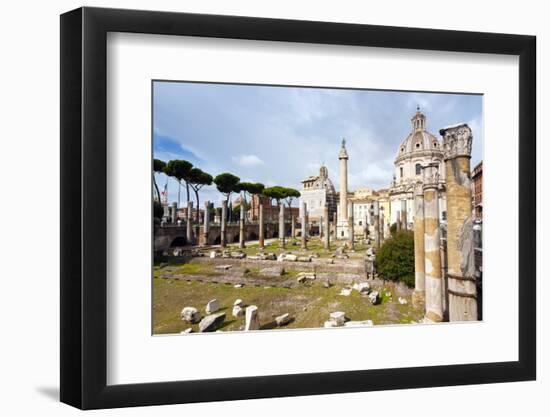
309, 305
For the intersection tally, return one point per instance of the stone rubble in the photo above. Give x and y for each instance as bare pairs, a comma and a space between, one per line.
359, 323
283, 319
237, 311
345, 292
305, 276
212, 306
212, 322
374, 297
252, 320
338, 318
190, 315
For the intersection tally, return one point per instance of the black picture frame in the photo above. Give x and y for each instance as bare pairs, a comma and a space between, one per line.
84, 207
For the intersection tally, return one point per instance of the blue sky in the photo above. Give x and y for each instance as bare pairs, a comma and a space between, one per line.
281, 135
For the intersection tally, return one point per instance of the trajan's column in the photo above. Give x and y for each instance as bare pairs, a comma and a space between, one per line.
343, 224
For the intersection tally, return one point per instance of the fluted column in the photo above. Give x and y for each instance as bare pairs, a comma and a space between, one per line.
457, 146
419, 294
432, 256
223, 226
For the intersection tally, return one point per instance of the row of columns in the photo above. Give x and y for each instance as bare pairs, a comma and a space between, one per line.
430, 288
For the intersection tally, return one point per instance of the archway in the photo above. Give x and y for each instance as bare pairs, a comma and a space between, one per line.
179, 241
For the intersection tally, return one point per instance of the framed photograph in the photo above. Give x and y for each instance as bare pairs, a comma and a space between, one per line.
259, 208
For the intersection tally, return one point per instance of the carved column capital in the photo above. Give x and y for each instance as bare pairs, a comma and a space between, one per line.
430, 175
418, 189
457, 141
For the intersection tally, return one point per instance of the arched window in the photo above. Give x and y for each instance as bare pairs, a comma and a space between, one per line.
418, 169
400, 172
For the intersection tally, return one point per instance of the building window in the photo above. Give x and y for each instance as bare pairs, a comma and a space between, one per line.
342, 233
360, 222
418, 169
417, 145
400, 172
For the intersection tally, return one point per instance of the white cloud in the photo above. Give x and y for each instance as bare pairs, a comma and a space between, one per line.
247, 160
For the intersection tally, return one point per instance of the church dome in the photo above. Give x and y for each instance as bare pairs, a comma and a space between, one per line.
419, 140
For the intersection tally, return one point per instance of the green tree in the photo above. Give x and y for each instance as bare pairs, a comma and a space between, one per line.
276, 193
290, 195
158, 167
227, 183
179, 169
197, 179
251, 188
395, 259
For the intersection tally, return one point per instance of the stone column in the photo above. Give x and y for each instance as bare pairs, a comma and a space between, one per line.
343, 157
189, 228
261, 226
223, 227
206, 223
321, 227
241, 226
292, 225
376, 219
304, 226
326, 237
166, 212
419, 294
432, 256
282, 226
457, 147
174, 213
382, 235
335, 222
404, 222
351, 226
398, 221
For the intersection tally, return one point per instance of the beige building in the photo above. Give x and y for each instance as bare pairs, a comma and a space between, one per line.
316, 192
418, 149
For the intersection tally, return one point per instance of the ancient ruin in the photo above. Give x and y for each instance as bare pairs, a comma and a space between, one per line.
315, 265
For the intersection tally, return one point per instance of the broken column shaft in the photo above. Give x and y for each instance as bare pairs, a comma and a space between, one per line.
457, 146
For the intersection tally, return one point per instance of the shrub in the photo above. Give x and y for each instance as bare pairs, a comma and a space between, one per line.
393, 229
395, 259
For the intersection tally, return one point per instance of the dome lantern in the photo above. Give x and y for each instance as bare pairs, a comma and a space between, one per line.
418, 121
